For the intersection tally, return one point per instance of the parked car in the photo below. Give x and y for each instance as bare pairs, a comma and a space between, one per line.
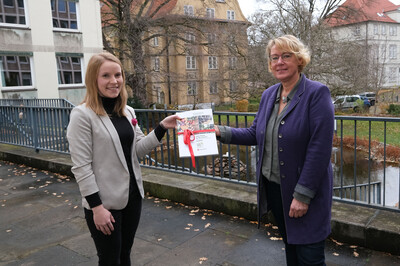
347, 102
371, 97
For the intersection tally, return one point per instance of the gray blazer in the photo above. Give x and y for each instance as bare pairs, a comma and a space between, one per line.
98, 160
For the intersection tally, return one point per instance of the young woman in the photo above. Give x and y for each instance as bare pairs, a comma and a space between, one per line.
105, 142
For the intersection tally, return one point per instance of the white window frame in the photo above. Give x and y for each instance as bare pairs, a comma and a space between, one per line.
392, 74
383, 29
213, 87
232, 62
211, 38
192, 88
26, 11
155, 41
230, 14
188, 10
69, 58
3, 86
190, 37
357, 30
212, 62
233, 86
156, 64
210, 12
393, 51
392, 30
190, 62
376, 29
78, 26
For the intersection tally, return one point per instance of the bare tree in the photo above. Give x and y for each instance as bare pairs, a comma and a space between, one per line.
344, 65
131, 26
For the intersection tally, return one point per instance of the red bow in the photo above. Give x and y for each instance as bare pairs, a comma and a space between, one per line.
187, 139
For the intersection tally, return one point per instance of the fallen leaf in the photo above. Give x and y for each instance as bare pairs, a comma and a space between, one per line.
353, 246
8, 231
337, 242
187, 228
335, 254
190, 225
356, 254
207, 225
196, 230
168, 207
275, 227
275, 238
159, 239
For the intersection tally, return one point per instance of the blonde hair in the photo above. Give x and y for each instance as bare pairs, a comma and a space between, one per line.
290, 44
92, 97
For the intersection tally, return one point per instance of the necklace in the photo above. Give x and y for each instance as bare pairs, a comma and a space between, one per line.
284, 99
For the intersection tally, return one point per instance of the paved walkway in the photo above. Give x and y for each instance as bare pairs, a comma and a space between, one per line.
41, 223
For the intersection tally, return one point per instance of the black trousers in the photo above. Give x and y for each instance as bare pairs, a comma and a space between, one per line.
115, 249
296, 255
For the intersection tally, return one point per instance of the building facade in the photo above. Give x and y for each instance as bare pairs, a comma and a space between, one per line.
194, 51
376, 25
45, 46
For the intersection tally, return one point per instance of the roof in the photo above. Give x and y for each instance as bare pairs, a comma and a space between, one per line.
357, 11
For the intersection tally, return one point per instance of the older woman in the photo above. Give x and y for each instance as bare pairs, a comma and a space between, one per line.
294, 130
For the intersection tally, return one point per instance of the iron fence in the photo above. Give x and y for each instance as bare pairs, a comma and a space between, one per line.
41, 126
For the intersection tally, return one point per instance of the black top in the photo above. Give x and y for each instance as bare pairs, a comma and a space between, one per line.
126, 136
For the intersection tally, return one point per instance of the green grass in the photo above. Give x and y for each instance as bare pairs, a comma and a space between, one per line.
377, 131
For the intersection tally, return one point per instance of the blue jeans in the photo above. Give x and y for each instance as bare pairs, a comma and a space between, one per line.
296, 255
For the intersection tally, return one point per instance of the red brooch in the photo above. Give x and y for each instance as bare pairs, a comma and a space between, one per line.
134, 121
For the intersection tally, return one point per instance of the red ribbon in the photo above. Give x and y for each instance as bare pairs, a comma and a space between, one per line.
188, 137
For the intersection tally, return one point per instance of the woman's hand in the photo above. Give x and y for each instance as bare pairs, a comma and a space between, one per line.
170, 121
297, 209
217, 132
103, 219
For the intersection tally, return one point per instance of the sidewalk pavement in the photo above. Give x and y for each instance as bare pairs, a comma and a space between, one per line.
41, 221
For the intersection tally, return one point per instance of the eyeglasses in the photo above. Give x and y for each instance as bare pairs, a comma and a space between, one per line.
285, 57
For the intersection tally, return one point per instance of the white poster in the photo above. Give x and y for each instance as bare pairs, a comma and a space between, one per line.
197, 127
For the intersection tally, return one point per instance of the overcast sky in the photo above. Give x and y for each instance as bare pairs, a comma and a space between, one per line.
250, 6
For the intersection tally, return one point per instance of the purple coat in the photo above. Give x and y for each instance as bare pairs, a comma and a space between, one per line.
305, 135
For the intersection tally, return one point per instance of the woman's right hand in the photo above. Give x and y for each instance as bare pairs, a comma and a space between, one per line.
103, 219
217, 132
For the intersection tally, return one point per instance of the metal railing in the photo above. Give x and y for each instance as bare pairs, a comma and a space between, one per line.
43, 127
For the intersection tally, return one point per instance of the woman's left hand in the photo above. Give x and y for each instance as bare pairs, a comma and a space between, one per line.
170, 121
297, 209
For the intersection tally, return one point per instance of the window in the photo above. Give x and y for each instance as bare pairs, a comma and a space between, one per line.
156, 64
211, 38
220, 1
232, 62
155, 41
392, 51
160, 95
357, 30
232, 86
12, 12
15, 71
212, 62
190, 62
189, 10
210, 12
190, 37
376, 29
64, 14
230, 15
213, 87
392, 74
192, 88
69, 69
392, 31
383, 30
